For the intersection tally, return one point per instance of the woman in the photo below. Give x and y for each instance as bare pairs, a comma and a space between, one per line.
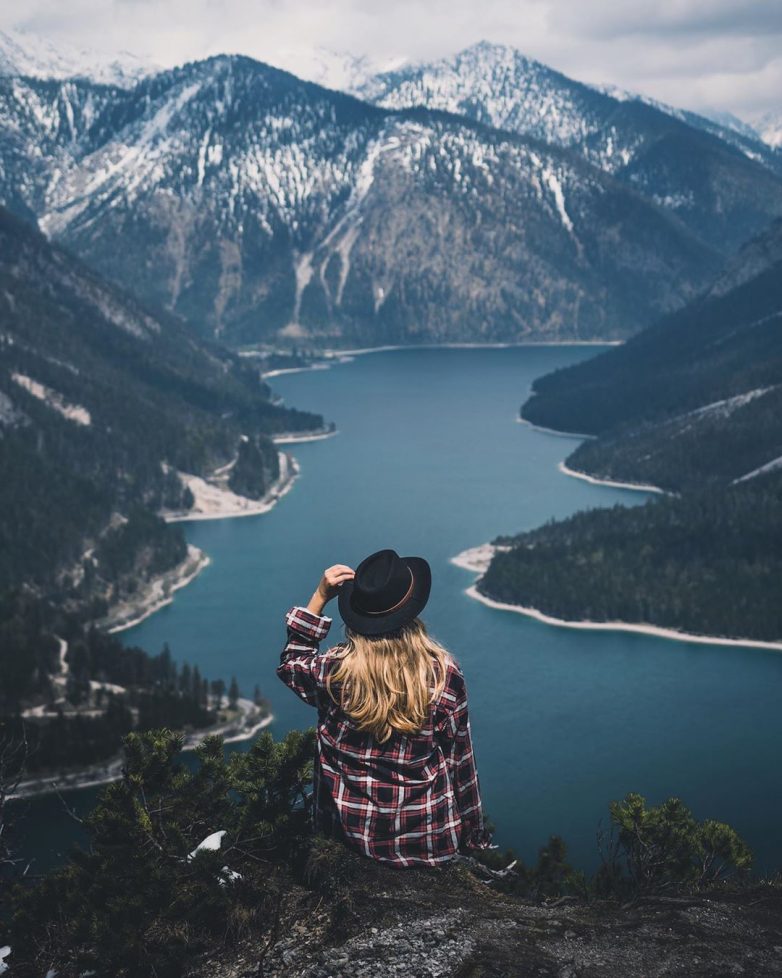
395, 775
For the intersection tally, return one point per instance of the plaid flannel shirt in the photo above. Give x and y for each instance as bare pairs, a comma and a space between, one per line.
412, 800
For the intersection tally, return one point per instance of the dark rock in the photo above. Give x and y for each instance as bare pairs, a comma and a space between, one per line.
444, 923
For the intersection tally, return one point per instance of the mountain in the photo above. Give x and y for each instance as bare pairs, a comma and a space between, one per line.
724, 125
769, 126
709, 176
707, 563
101, 406
696, 398
693, 405
27, 53
344, 71
727, 120
263, 207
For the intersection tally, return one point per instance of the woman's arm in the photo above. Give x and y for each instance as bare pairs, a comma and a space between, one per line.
299, 666
455, 738
329, 586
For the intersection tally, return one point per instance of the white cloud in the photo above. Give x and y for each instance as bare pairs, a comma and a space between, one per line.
694, 53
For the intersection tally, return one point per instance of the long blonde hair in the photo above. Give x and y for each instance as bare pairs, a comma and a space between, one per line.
388, 681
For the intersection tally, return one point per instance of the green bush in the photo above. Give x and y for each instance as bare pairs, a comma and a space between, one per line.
138, 902
656, 848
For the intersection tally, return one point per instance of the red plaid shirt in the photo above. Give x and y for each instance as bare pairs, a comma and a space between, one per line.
412, 800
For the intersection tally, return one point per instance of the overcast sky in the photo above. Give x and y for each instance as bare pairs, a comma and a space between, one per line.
692, 53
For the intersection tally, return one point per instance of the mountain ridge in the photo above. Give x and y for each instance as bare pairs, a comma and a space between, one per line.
266, 208
26, 53
101, 404
692, 405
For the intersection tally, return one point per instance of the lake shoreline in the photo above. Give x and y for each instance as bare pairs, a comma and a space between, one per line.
104, 772
219, 503
362, 351
298, 438
595, 481
553, 431
477, 559
158, 592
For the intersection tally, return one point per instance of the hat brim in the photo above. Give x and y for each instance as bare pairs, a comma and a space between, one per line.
380, 624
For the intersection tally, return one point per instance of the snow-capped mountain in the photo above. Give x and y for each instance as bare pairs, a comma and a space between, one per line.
26, 53
344, 71
659, 150
769, 125
730, 122
723, 125
255, 204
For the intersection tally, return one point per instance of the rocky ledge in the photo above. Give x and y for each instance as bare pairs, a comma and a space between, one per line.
448, 923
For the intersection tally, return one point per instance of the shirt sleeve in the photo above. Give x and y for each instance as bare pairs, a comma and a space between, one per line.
300, 665
455, 738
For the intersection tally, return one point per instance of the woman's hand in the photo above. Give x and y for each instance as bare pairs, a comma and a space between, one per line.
329, 586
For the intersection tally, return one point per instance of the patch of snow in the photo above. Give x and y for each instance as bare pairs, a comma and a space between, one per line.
108, 687
344, 71
9, 414
211, 842
303, 273
73, 412
673, 201
772, 466
728, 405
26, 53
555, 187
769, 128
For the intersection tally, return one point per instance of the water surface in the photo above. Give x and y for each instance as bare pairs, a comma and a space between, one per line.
430, 460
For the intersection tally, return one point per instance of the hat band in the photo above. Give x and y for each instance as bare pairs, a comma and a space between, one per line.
387, 611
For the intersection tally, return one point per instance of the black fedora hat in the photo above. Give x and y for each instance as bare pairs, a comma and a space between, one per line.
387, 592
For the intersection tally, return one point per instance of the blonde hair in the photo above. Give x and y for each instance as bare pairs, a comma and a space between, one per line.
388, 681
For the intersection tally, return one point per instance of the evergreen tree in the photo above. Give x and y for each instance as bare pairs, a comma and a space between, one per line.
217, 688
186, 681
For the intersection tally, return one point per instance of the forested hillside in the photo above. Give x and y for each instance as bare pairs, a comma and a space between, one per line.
695, 398
692, 405
96, 394
102, 406
708, 562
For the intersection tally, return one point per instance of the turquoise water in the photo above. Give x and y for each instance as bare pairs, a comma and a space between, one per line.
430, 460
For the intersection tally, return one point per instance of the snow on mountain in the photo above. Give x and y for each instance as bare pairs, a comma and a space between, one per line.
26, 53
344, 71
724, 125
732, 122
499, 86
496, 85
769, 125
254, 203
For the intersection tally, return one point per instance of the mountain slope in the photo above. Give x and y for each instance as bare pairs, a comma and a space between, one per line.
100, 405
260, 206
27, 53
705, 563
712, 178
769, 126
693, 405
696, 398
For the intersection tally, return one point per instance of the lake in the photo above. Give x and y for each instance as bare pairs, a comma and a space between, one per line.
430, 460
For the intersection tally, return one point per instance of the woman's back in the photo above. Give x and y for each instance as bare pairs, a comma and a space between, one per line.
395, 773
